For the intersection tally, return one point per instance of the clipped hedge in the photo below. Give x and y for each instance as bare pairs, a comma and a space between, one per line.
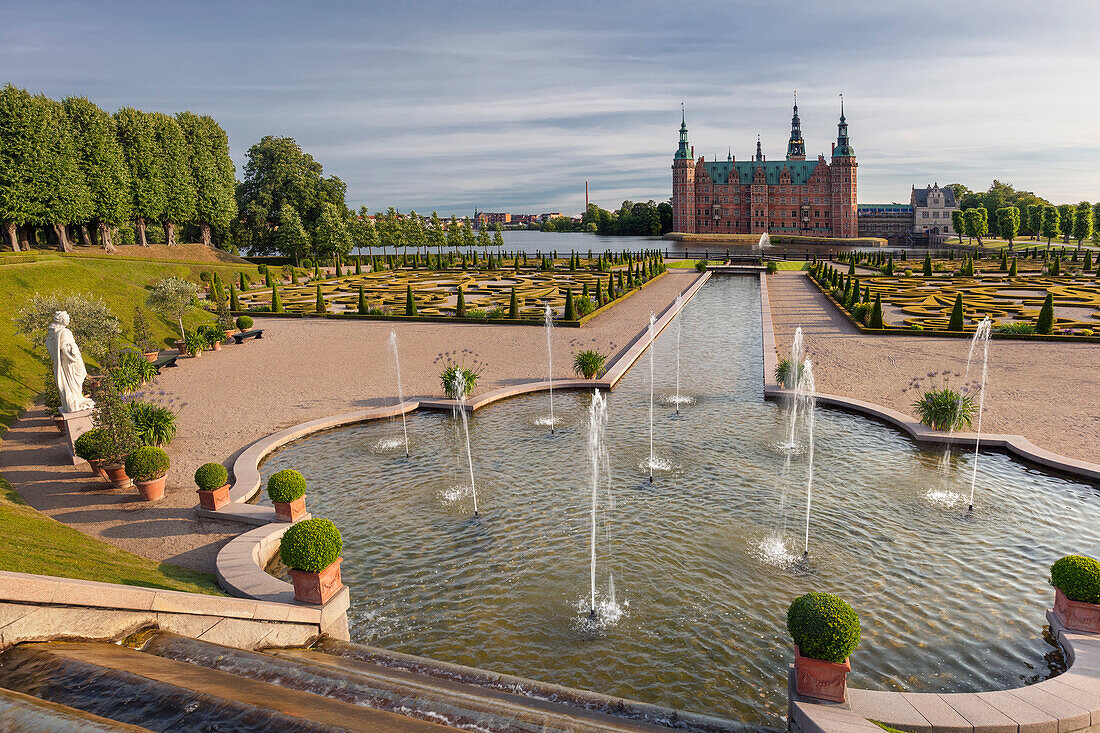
211, 476
311, 545
147, 463
823, 626
286, 486
92, 445
1078, 577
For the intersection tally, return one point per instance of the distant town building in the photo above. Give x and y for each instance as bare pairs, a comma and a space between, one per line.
890, 221
791, 196
932, 207
490, 218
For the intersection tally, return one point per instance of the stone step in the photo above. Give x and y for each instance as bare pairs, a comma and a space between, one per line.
160, 694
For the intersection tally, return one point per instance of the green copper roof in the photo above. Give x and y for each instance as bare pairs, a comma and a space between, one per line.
801, 170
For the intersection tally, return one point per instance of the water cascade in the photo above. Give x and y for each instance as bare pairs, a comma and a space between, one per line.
400, 393
981, 334
460, 393
597, 424
549, 318
807, 388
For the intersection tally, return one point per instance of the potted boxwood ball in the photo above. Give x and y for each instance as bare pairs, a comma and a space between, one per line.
825, 630
1076, 580
287, 490
244, 323
148, 466
311, 551
213, 482
92, 447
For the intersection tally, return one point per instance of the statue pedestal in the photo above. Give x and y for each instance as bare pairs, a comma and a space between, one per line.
76, 424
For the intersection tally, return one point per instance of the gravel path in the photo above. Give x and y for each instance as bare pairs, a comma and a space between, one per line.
300, 370
1047, 392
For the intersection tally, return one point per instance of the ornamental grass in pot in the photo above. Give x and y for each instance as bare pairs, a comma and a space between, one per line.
194, 343
213, 482
92, 447
311, 551
148, 467
1076, 580
287, 490
826, 630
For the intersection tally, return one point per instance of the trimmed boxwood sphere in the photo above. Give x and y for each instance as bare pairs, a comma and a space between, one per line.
1078, 577
147, 463
311, 545
244, 322
211, 476
286, 486
92, 445
823, 626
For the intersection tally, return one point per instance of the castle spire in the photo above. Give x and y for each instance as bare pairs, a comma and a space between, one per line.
843, 147
684, 151
759, 152
796, 146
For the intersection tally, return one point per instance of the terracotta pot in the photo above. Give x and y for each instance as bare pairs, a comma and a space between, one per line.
59, 423
116, 474
197, 354
151, 356
290, 511
214, 500
97, 468
317, 588
181, 347
821, 679
217, 346
1077, 615
153, 489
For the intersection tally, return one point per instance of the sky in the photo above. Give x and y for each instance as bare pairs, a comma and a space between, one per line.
511, 106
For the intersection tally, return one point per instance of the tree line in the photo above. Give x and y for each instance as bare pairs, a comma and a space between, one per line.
1072, 221
647, 219
75, 172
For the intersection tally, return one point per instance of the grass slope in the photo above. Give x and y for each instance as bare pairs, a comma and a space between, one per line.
31, 542
121, 282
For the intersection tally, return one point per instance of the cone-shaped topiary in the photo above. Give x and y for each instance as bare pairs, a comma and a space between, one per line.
1078, 577
276, 303
410, 301
1012, 268
210, 476
362, 307
286, 486
823, 626
311, 545
320, 306
928, 264
240, 281
599, 292
876, 313
513, 305
1045, 322
460, 307
234, 302
570, 309
956, 323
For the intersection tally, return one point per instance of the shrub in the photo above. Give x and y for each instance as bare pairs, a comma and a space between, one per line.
783, 376
945, 409
1078, 577
956, 322
477, 313
113, 416
244, 322
173, 297
210, 476
1045, 323
194, 343
772, 268
497, 313
916, 327
1017, 327
286, 486
153, 424
458, 381
51, 398
311, 545
261, 268
823, 626
584, 306
908, 272
92, 445
204, 276
143, 339
213, 334
860, 312
93, 325
588, 363
570, 307
147, 463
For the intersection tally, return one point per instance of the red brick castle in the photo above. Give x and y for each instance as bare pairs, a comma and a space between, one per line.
791, 196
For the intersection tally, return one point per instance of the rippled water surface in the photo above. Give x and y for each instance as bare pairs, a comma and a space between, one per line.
705, 559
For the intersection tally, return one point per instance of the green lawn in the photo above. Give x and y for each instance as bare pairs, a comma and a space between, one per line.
120, 282
793, 265
682, 264
31, 542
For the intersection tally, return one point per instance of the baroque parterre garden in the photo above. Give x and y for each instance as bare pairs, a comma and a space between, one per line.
1044, 292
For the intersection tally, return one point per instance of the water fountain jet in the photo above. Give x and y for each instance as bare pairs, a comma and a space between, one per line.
597, 424
400, 393
981, 334
549, 319
806, 380
652, 348
459, 386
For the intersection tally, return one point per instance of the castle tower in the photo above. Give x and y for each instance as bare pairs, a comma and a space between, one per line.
842, 180
683, 183
796, 147
758, 194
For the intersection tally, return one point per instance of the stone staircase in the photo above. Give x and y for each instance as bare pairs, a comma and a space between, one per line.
166, 682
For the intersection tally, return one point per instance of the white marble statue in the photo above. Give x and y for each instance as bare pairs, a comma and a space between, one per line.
68, 365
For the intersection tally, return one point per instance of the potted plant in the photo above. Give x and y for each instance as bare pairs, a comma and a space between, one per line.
213, 482
588, 363
92, 447
147, 467
825, 630
214, 335
458, 381
1076, 580
52, 402
143, 340
112, 415
311, 551
194, 343
287, 490
244, 323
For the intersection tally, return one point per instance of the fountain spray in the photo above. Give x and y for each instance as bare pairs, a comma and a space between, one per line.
806, 381
597, 424
982, 334
652, 347
400, 393
679, 306
460, 393
549, 318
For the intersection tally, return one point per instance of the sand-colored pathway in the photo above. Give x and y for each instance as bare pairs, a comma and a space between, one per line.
300, 370
1047, 392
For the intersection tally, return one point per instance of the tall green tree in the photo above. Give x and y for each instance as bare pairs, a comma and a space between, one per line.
1034, 219
436, 236
958, 223
390, 233
1067, 215
332, 238
1008, 223
66, 196
413, 229
215, 196
100, 158
291, 237
976, 223
179, 185
363, 233
1049, 224
1082, 222
137, 134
